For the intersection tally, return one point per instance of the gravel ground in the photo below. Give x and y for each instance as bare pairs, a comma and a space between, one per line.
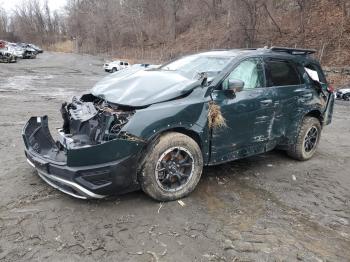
264, 208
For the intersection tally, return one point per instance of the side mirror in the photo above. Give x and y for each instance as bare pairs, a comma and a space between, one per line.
235, 85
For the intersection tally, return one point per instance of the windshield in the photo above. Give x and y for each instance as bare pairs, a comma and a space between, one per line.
195, 64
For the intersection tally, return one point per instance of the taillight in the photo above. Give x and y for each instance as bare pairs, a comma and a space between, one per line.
330, 89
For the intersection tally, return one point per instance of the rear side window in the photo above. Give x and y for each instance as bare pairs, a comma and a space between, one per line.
121, 63
282, 73
319, 71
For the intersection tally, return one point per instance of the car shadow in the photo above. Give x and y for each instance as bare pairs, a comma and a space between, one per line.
234, 170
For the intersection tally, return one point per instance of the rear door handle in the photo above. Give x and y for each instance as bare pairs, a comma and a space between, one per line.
266, 102
307, 96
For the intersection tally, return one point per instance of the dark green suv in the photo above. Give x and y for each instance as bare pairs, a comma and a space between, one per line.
156, 128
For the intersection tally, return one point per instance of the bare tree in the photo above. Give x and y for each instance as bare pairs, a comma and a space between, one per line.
4, 23
34, 22
303, 5
175, 6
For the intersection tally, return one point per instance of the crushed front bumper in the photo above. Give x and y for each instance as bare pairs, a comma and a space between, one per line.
66, 186
89, 172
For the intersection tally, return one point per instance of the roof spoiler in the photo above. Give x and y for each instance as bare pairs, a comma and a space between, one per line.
293, 51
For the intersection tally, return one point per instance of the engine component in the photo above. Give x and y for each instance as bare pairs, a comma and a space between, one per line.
90, 121
82, 111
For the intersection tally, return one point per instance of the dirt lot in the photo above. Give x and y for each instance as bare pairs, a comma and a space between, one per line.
264, 208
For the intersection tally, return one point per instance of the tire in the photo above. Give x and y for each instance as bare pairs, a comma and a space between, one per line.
167, 146
346, 97
114, 70
302, 150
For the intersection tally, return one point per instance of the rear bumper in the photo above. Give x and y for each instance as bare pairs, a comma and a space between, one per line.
328, 113
83, 173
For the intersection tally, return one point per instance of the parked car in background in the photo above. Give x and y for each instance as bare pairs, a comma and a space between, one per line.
155, 129
115, 66
29, 52
36, 48
2, 44
343, 93
16, 50
7, 55
11, 51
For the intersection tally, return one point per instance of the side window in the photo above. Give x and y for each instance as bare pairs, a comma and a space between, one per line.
126, 64
250, 71
319, 71
282, 73
121, 63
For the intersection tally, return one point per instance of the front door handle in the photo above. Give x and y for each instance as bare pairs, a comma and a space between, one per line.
266, 102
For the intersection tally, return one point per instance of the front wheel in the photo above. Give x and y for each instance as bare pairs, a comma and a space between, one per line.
307, 140
346, 97
172, 167
114, 70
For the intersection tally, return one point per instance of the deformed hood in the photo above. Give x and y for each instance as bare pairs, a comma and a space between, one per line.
136, 87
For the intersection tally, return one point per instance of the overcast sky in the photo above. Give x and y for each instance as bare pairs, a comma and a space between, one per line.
8, 5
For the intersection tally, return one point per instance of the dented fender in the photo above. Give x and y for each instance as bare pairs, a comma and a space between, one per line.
188, 116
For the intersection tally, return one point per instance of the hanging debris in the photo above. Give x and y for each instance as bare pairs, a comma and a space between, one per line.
215, 118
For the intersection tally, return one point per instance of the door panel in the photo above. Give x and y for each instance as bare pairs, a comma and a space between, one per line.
286, 85
248, 117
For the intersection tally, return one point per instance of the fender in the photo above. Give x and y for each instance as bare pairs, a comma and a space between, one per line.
187, 116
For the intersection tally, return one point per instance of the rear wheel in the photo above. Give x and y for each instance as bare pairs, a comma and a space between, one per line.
307, 140
114, 70
346, 97
172, 167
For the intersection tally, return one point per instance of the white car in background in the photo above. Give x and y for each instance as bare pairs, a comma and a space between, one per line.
7, 55
343, 93
115, 66
16, 50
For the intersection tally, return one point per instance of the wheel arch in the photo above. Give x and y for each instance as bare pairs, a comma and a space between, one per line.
316, 114
293, 130
188, 132
182, 130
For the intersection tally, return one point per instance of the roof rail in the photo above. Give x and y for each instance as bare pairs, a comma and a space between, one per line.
293, 51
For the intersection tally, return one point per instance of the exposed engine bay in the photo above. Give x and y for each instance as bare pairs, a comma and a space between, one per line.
91, 120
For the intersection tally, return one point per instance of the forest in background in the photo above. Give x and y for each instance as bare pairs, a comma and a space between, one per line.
158, 30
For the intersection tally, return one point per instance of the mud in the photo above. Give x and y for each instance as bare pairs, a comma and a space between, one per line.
264, 208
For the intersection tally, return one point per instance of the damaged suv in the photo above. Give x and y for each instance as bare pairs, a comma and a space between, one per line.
155, 129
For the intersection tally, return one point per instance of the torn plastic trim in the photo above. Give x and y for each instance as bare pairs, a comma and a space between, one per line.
40, 144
